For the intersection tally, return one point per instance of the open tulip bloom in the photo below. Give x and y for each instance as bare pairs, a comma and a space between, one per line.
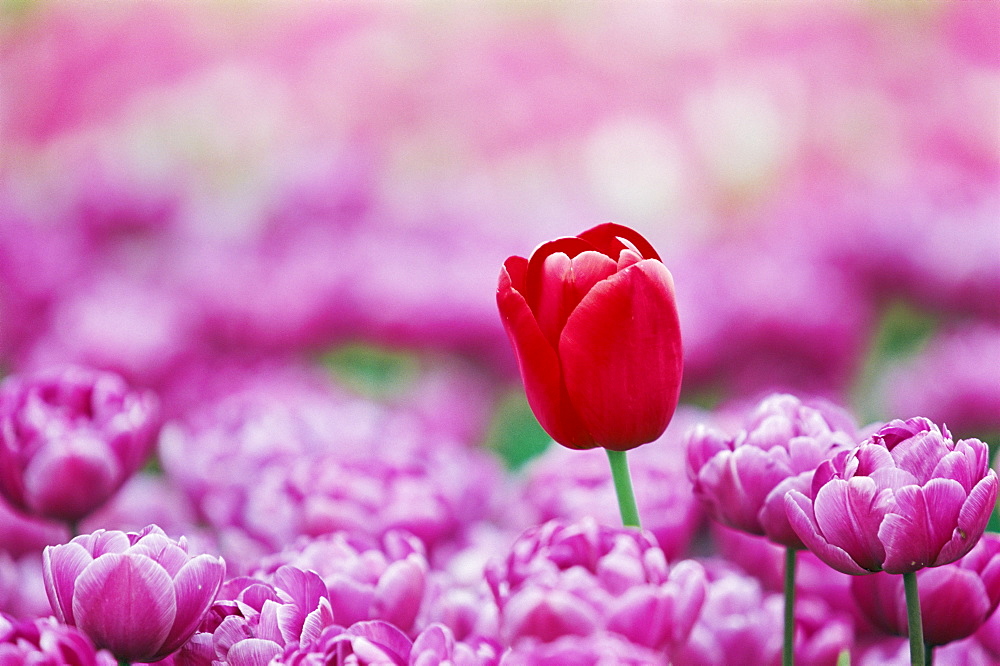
906, 498
593, 322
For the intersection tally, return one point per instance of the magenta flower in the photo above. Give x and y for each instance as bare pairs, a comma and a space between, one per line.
45, 641
955, 599
908, 497
365, 581
140, 595
742, 479
70, 439
253, 621
373, 643
581, 578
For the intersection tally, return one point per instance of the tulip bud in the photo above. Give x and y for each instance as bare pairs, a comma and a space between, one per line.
140, 595
593, 322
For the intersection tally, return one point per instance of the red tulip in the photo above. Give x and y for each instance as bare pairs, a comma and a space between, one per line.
593, 322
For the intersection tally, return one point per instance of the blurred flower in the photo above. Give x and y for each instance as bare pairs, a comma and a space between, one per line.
46, 641
965, 393
22, 589
742, 479
593, 322
581, 578
906, 498
570, 485
955, 599
738, 619
140, 595
21, 534
596, 649
364, 644
365, 580
70, 439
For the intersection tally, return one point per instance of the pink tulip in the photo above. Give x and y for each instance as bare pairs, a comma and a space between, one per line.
45, 641
582, 578
908, 497
70, 439
594, 326
742, 480
140, 595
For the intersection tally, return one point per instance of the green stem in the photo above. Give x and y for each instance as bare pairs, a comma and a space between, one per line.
788, 651
623, 488
124, 662
928, 655
915, 624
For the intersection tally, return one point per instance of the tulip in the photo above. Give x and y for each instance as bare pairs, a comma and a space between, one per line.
593, 322
70, 439
742, 479
906, 498
581, 578
45, 641
955, 599
140, 595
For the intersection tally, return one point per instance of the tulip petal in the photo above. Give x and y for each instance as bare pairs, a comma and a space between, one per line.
921, 524
195, 588
253, 652
61, 566
953, 603
848, 514
802, 519
621, 356
67, 483
972, 519
608, 239
125, 603
538, 363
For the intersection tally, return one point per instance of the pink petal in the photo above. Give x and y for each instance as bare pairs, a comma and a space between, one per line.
972, 519
61, 566
848, 515
195, 588
621, 356
800, 516
921, 524
539, 365
252, 652
68, 483
399, 593
387, 637
125, 603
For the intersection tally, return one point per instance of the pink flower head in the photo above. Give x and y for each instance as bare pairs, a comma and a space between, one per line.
742, 479
45, 641
373, 643
955, 599
70, 439
140, 595
364, 581
253, 621
593, 322
580, 578
906, 498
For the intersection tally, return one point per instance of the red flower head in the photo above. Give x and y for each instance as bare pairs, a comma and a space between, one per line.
593, 322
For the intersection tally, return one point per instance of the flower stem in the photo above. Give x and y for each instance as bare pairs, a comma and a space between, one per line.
788, 651
124, 662
623, 488
916, 626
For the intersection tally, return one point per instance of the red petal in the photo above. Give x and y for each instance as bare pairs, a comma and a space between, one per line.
621, 356
608, 239
540, 369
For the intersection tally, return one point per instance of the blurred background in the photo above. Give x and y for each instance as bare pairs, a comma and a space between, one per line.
186, 187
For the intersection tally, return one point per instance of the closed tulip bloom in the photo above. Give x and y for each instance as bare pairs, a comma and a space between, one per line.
140, 595
906, 498
593, 322
70, 439
955, 599
742, 479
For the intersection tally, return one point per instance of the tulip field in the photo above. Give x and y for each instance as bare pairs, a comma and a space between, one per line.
499, 334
